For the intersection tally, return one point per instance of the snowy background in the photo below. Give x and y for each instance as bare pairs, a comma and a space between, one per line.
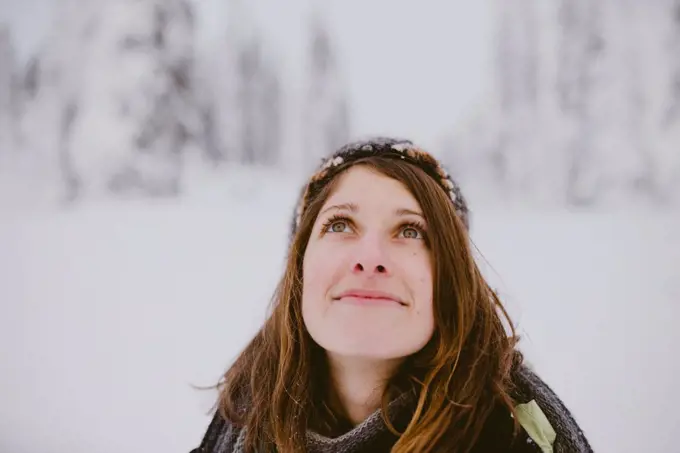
151, 152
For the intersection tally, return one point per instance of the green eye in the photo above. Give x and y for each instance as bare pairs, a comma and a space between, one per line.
412, 232
337, 225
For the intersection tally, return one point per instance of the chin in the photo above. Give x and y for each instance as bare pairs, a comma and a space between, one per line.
376, 353
385, 347
377, 334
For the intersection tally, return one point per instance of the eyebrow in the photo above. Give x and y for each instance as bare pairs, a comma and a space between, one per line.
403, 212
351, 207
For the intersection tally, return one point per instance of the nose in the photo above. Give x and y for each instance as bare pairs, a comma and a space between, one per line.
370, 258
378, 269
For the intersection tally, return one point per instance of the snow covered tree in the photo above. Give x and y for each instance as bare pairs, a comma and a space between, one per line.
580, 51
326, 114
669, 135
585, 104
673, 54
611, 70
8, 107
116, 82
51, 90
269, 102
243, 120
628, 99
517, 86
110, 99
628, 147
259, 101
167, 117
517, 54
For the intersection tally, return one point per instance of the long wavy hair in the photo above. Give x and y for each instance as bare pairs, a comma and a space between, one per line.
278, 386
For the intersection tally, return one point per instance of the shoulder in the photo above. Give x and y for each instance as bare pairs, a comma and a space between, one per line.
544, 416
221, 436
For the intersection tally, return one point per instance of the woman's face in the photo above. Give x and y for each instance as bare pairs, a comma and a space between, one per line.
367, 274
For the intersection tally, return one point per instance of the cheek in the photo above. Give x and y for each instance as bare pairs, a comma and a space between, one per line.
420, 276
318, 273
423, 283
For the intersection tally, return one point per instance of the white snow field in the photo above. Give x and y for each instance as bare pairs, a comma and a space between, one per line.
112, 310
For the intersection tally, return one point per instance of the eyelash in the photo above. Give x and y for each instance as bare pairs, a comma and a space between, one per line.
340, 218
331, 220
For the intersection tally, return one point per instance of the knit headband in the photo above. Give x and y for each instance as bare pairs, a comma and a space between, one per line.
383, 147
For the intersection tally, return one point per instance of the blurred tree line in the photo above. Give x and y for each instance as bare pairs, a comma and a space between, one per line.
585, 105
119, 97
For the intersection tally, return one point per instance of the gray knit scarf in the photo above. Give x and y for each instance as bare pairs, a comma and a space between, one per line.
232, 440
570, 437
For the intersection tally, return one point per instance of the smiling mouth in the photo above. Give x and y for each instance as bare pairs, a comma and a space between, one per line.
369, 301
369, 298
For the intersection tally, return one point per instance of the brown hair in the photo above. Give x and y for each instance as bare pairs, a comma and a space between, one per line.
276, 385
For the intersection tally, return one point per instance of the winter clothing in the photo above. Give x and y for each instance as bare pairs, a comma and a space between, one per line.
547, 427
387, 147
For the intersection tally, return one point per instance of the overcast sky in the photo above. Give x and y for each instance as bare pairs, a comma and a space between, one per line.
413, 68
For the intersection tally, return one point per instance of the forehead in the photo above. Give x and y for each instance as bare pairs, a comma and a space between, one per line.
363, 185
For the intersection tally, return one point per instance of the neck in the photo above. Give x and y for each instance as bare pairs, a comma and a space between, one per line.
359, 383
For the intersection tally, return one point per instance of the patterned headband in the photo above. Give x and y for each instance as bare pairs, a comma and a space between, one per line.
389, 147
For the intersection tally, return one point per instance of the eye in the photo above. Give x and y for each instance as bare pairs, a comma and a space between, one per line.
337, 225
412, 231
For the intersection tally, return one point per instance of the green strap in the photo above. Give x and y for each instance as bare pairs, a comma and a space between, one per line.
536, 424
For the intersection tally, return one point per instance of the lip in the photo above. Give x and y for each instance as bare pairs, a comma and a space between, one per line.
368, 297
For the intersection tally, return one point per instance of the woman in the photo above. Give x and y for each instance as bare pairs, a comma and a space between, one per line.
384, 336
